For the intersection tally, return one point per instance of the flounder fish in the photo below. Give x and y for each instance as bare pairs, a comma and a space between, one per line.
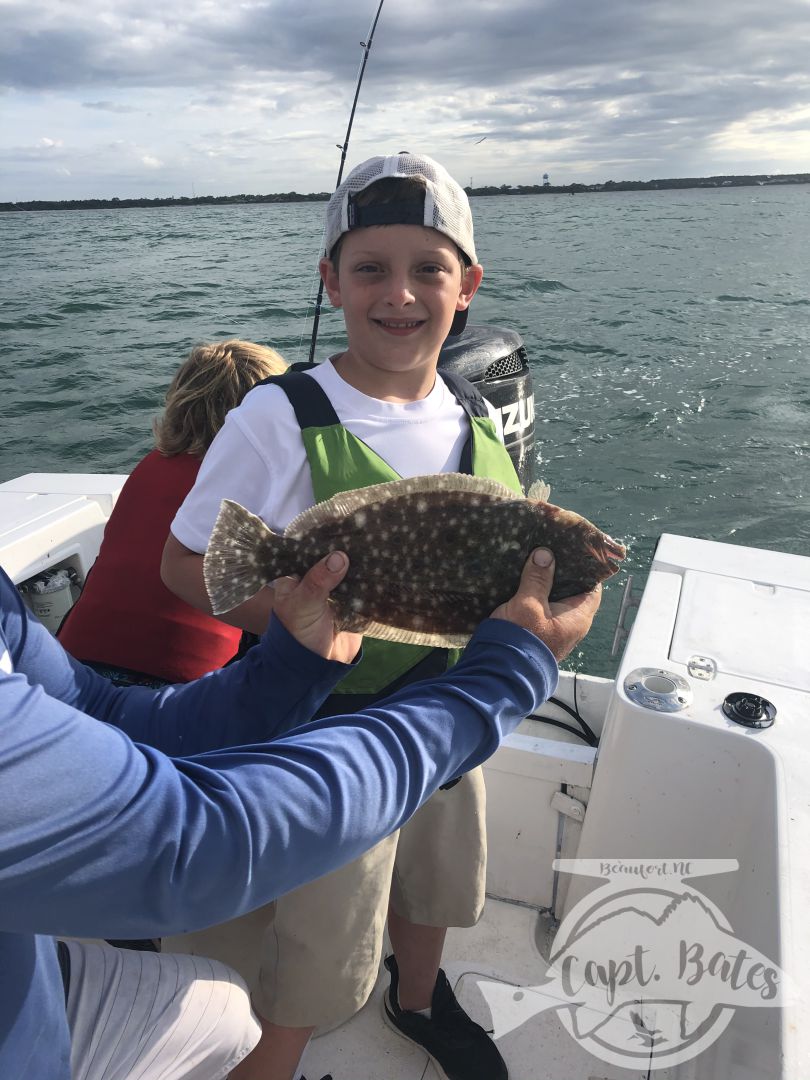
430, 556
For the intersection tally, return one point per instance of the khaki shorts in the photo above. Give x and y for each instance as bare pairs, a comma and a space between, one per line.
312, 958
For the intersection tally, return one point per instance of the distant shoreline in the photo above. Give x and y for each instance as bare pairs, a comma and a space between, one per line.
762, 180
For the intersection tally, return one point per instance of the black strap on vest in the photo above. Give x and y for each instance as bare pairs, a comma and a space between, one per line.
313, 408
473, 405
311, 405
467, 395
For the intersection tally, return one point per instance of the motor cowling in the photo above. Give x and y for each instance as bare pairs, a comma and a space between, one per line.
494, 359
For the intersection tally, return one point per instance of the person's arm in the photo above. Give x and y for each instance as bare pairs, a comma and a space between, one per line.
101, 837
181, 571
277, 685
234, 467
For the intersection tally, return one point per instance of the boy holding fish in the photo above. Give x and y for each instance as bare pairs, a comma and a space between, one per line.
400, 261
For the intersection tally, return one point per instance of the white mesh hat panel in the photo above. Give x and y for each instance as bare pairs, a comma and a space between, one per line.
447, 208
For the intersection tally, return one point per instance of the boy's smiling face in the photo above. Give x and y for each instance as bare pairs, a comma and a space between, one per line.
399, 287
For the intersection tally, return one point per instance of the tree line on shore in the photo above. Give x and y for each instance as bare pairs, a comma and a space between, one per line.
761, 180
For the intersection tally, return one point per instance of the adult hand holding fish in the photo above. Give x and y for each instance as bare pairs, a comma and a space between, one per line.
561, 625
302, 606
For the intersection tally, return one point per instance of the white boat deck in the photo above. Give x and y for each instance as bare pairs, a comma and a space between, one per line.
502, 947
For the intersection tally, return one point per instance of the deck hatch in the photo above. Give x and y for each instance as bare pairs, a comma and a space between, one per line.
749, 628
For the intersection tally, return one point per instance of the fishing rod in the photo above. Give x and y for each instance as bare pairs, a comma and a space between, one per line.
344, 148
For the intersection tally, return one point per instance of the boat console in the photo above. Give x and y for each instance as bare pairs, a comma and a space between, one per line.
704, 763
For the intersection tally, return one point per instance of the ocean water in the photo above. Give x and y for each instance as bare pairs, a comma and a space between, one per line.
668, 334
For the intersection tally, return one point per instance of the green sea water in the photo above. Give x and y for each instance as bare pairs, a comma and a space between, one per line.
668, 334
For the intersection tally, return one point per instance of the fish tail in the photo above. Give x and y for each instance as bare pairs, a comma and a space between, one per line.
231, 569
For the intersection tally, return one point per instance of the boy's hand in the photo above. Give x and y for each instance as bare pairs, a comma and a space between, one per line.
561, 625
302, 605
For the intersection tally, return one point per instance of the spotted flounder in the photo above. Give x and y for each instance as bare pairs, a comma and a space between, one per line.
430, 556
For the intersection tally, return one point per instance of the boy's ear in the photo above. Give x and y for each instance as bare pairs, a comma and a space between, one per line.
470, 280
329, 277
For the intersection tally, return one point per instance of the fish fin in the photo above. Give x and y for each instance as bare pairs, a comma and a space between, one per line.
415, 637
347, 502
230, 575
350, 621
539, 491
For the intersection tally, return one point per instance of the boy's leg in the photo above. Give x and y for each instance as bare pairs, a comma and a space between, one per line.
310, 964
276, 1055
418, 950
242, 945
322, 953
154, 1016
439, 881
439, 875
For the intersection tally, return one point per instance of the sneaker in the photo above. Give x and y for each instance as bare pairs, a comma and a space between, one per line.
459, 1048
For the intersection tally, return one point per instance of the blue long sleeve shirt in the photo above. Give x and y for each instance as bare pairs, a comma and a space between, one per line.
102, 835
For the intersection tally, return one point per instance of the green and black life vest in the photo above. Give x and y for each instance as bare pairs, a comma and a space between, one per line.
339, 461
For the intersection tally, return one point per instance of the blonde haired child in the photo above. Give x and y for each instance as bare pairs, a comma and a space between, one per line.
126, 624
206, 386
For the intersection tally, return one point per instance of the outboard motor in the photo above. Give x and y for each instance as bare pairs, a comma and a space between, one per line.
494, 360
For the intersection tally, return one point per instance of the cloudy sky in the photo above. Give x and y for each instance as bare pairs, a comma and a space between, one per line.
158, 97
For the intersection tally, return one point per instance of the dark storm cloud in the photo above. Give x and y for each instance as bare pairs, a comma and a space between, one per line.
588, 81
47, 45
479, 46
